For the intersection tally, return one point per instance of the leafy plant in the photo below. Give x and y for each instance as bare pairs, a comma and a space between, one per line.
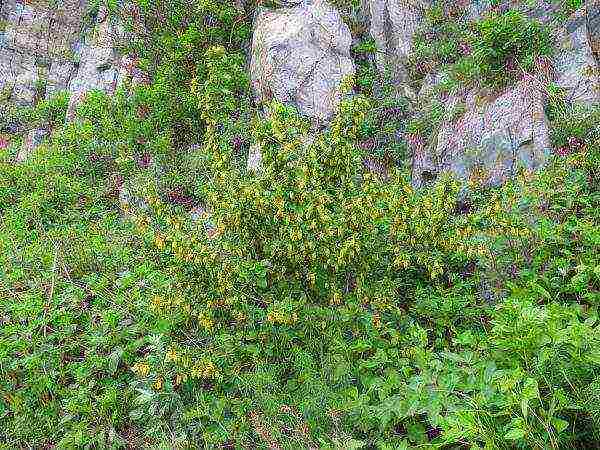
507, 42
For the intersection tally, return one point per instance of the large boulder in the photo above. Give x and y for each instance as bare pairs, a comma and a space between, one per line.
300, 56
491, 141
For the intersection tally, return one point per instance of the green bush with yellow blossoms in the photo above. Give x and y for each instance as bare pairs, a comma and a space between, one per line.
311, 303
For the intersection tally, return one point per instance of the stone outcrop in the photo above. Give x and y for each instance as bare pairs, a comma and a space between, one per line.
300, 56
47, 47
99, 65
38, 48
593, 24
253, 164
32, 140
496, 136
476, 9
577, 70
491, 141
301, 52
392, 25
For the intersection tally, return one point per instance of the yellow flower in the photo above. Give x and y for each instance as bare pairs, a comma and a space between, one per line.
142, 369
171, 355
402, 262
158, 384
336, 299
142, 224
159, 241
157, 303
205, 369
205, 321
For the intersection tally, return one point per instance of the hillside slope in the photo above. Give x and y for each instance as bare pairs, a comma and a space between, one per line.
300, 224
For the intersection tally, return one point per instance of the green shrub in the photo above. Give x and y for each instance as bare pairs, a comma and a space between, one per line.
508, 42
573, 122
443, 40
267, 281
490, 52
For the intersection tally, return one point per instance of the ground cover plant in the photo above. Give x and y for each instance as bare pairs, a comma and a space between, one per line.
154, 293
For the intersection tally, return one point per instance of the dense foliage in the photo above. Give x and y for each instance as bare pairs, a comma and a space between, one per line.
490, 52
154, 293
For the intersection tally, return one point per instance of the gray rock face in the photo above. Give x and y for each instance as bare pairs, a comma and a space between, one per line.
254, 159
32, 141
98, 67
495, 138
393, 24
476, 9
593, 24
45, 48
576, 68
60, 75
36, 48
491, 141
300, 56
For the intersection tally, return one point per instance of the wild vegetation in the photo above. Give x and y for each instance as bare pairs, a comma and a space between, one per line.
154, 293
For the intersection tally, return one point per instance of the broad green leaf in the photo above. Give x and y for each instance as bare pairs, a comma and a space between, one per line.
559, 424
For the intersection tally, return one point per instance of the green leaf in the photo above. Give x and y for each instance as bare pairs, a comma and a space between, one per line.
352, 392
559, 424
515, 434
525, 407
354, 444
416, 432
136, 414
541, 290
262, 283
114, 359
530, 389
466, 338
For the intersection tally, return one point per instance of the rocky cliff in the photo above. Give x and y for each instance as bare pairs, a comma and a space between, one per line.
497, 132
303, 50
45, 48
